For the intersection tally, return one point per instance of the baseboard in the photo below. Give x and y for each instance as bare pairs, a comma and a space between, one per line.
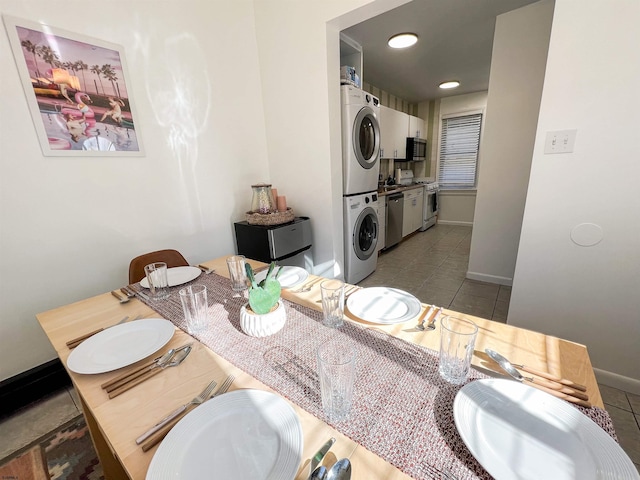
631, 385
27, 387
483, 277
454, 222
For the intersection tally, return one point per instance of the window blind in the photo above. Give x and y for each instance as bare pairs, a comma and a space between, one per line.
459, 144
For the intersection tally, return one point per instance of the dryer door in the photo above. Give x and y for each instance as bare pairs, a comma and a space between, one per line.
365, 234
366, 138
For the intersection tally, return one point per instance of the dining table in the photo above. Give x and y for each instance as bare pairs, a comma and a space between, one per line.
115, 423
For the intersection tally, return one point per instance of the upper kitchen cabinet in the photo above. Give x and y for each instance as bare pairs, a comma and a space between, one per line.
351, 54
417, 127
394, 126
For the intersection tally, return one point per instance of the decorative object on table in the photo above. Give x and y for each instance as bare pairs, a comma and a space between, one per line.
336, 370
157, 280
457, 340
73, 114
195, 307
235, 264
264, 207
264, 314
332, 292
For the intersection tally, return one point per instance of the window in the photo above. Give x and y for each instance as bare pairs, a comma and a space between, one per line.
459, 144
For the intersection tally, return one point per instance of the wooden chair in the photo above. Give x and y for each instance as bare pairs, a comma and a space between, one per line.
172, 258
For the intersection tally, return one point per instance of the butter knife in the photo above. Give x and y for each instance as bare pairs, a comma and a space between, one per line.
317, 458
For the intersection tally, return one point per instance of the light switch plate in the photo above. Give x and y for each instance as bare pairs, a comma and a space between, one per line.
560, 141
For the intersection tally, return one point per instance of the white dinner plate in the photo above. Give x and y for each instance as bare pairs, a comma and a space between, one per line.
290, 276
121, 345
241, 434
518, 432
383, 305
177, 276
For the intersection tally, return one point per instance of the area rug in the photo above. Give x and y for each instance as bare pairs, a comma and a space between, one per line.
66, 453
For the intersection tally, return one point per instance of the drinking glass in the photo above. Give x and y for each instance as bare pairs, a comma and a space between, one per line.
336, 369
457, 341
158, 282
332, 292
237, 273
195, 307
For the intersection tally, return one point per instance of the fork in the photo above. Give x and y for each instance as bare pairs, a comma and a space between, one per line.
195, 401
160, 434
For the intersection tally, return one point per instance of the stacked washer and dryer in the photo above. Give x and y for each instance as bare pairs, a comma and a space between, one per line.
360, 166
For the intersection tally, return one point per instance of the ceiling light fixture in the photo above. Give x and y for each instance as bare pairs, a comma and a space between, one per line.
450, 84
403, 40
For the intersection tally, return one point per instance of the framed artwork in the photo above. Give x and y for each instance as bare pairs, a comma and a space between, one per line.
77, 89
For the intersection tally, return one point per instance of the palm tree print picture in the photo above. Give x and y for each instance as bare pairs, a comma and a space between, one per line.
76, 89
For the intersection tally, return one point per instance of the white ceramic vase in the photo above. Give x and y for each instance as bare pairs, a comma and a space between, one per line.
263, 325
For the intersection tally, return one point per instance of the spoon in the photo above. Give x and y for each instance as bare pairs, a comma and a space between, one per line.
432, 318
556, 390
341, 470
319, 473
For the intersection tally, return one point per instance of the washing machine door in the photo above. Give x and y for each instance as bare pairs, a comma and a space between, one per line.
365, 234
366, 138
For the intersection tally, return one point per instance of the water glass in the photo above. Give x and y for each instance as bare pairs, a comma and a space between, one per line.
237, 273
336, 370
195, 307
332, 292
158, 282
457, 341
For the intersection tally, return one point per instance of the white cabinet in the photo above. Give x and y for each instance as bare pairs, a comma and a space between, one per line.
394, 126
416, 127
412, 214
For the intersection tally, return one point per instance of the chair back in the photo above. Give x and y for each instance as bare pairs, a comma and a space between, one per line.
172, 258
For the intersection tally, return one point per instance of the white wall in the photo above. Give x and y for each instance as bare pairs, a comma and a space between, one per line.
518, 60
587, 294
456, 207
69, 226
299, 50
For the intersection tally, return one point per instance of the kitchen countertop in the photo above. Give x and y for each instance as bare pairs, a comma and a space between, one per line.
389, 189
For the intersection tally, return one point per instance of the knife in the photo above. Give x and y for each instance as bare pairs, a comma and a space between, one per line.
557, 390
317, 458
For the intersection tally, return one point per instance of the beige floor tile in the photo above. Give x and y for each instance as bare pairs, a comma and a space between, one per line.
472, 305
442, 281
627, 431
614, 397
30, 423
500, 311
634, 401
436, 296
479, 289
504, 294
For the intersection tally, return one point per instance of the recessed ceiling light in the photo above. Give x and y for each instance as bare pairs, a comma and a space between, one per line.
403, 40
451, 84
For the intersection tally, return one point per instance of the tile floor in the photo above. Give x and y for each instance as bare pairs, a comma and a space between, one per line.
432, 266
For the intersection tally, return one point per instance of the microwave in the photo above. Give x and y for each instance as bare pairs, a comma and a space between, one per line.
416, 149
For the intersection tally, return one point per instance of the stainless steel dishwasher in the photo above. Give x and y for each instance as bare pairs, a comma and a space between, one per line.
395, 209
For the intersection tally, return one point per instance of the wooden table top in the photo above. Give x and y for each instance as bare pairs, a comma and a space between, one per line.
123, 418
